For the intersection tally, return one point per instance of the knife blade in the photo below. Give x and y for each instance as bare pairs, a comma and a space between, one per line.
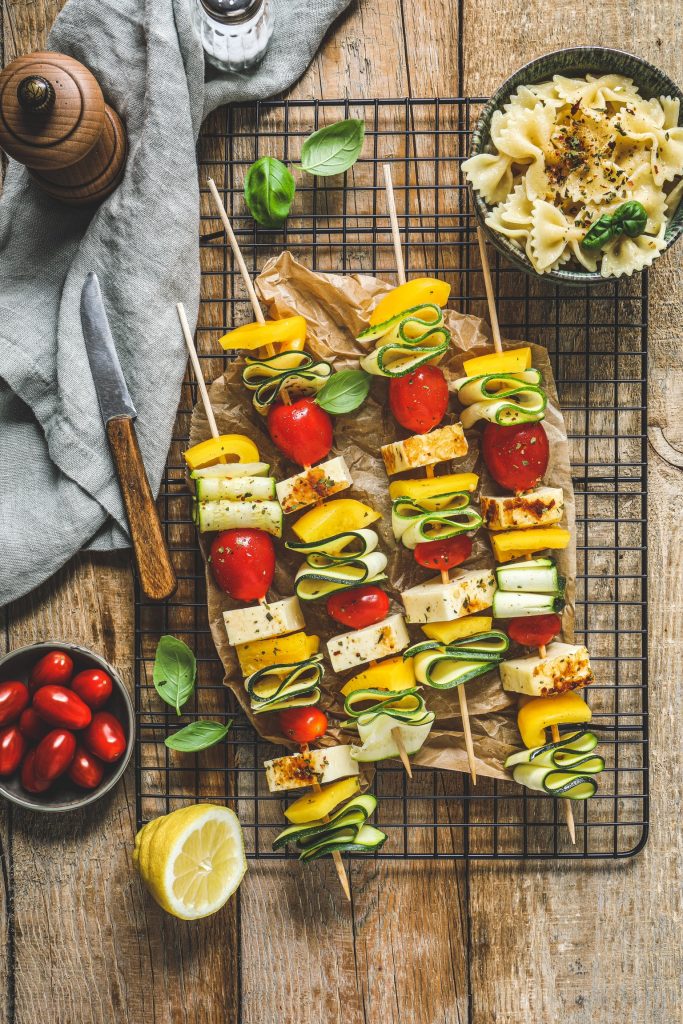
155, 569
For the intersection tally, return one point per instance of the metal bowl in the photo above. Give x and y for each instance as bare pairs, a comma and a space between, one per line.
65, 796
575, 61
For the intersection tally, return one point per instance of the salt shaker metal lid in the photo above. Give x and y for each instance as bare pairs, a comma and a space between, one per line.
231, 11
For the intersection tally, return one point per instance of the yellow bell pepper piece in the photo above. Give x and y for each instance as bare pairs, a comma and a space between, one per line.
334, 517
284, 650
517, 543
498, 362
314, 806
227, 447
540, 713
447, 632
392, 674
427, 487
408, 295
288, 334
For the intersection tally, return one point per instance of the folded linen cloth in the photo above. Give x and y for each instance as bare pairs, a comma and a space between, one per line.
58, 492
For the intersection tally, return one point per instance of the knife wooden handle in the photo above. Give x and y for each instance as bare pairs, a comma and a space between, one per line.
155, 569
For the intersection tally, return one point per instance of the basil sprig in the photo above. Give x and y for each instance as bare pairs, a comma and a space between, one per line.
269, 191
628, 219
334, 148
197, 735
344, 392
175, 671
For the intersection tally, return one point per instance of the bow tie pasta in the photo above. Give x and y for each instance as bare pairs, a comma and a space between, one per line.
571, 152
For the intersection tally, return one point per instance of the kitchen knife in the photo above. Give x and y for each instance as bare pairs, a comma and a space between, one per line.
155, 569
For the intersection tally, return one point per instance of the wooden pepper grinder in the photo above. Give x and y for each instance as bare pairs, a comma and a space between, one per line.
53, 118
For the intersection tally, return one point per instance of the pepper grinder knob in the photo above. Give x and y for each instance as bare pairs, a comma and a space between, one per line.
36, 94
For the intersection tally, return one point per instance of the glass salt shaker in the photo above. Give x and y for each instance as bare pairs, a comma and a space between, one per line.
234, 33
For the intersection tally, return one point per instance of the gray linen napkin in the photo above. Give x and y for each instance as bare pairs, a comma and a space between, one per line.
58, 493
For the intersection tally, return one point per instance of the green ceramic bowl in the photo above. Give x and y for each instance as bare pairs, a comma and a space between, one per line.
576, 61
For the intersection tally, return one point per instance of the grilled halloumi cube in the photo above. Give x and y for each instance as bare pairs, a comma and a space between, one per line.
542, 507
435, 601
349, 650
296, 771
447, 442
313, 485
259, 621
565, 667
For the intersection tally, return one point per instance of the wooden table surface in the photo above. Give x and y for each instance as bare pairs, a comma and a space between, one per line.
575, 943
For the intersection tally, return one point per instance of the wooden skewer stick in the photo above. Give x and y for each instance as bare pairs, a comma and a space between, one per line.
488, 284
566, 803
336, 855
196, 366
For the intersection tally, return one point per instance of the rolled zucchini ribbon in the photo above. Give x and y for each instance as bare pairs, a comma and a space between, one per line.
278, 687
415, 522
405, 706
445, 666
347, 559
345, 830
564, 768
297, 371
406, 341
502, 398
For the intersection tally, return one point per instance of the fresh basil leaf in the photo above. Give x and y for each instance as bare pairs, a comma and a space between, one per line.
630, 218
344, 392
269, 191
175, 671
599, 233
197, 736
333, 149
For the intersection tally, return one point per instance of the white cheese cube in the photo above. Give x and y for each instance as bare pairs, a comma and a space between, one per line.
349, 650
447, 442
465, 594
297, 771
261, 621
565, 667
313, 485
542, 507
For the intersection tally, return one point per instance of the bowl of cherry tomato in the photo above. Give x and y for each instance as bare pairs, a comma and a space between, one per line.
66, 727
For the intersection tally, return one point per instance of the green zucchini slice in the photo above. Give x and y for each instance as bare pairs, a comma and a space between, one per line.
523, 405
414, 524
296, 371
490, 386
278, 687
518, 606
367, 839
228, 515
535, 576
406, 341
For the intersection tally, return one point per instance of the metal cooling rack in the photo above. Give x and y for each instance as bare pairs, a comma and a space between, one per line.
597, 341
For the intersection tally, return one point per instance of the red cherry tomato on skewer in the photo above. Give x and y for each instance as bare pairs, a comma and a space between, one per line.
32, 725
534, 630
13, 746
54, 754
30, 782
443, 554
302, 430
243, 563
14, 697
61, 707
303, 725
54, 668
105, 737
93, 686
358, 607
85, 770
516, 457
419, 400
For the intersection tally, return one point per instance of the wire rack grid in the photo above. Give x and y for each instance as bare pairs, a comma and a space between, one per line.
597, 341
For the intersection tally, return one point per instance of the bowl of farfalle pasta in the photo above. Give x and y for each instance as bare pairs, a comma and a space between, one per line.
576, 165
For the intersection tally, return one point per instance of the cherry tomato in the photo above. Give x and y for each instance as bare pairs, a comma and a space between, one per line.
534, 630
58, 706
55, 668
14, 697
303, 725
54, 754
32, 725
12, 748
302, 430
85, 770
28, 778
243, 563
105, 737
93, 686
361, 606
516, 457
419, 400
443, 554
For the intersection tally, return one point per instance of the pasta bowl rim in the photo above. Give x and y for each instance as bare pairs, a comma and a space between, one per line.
580, 60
